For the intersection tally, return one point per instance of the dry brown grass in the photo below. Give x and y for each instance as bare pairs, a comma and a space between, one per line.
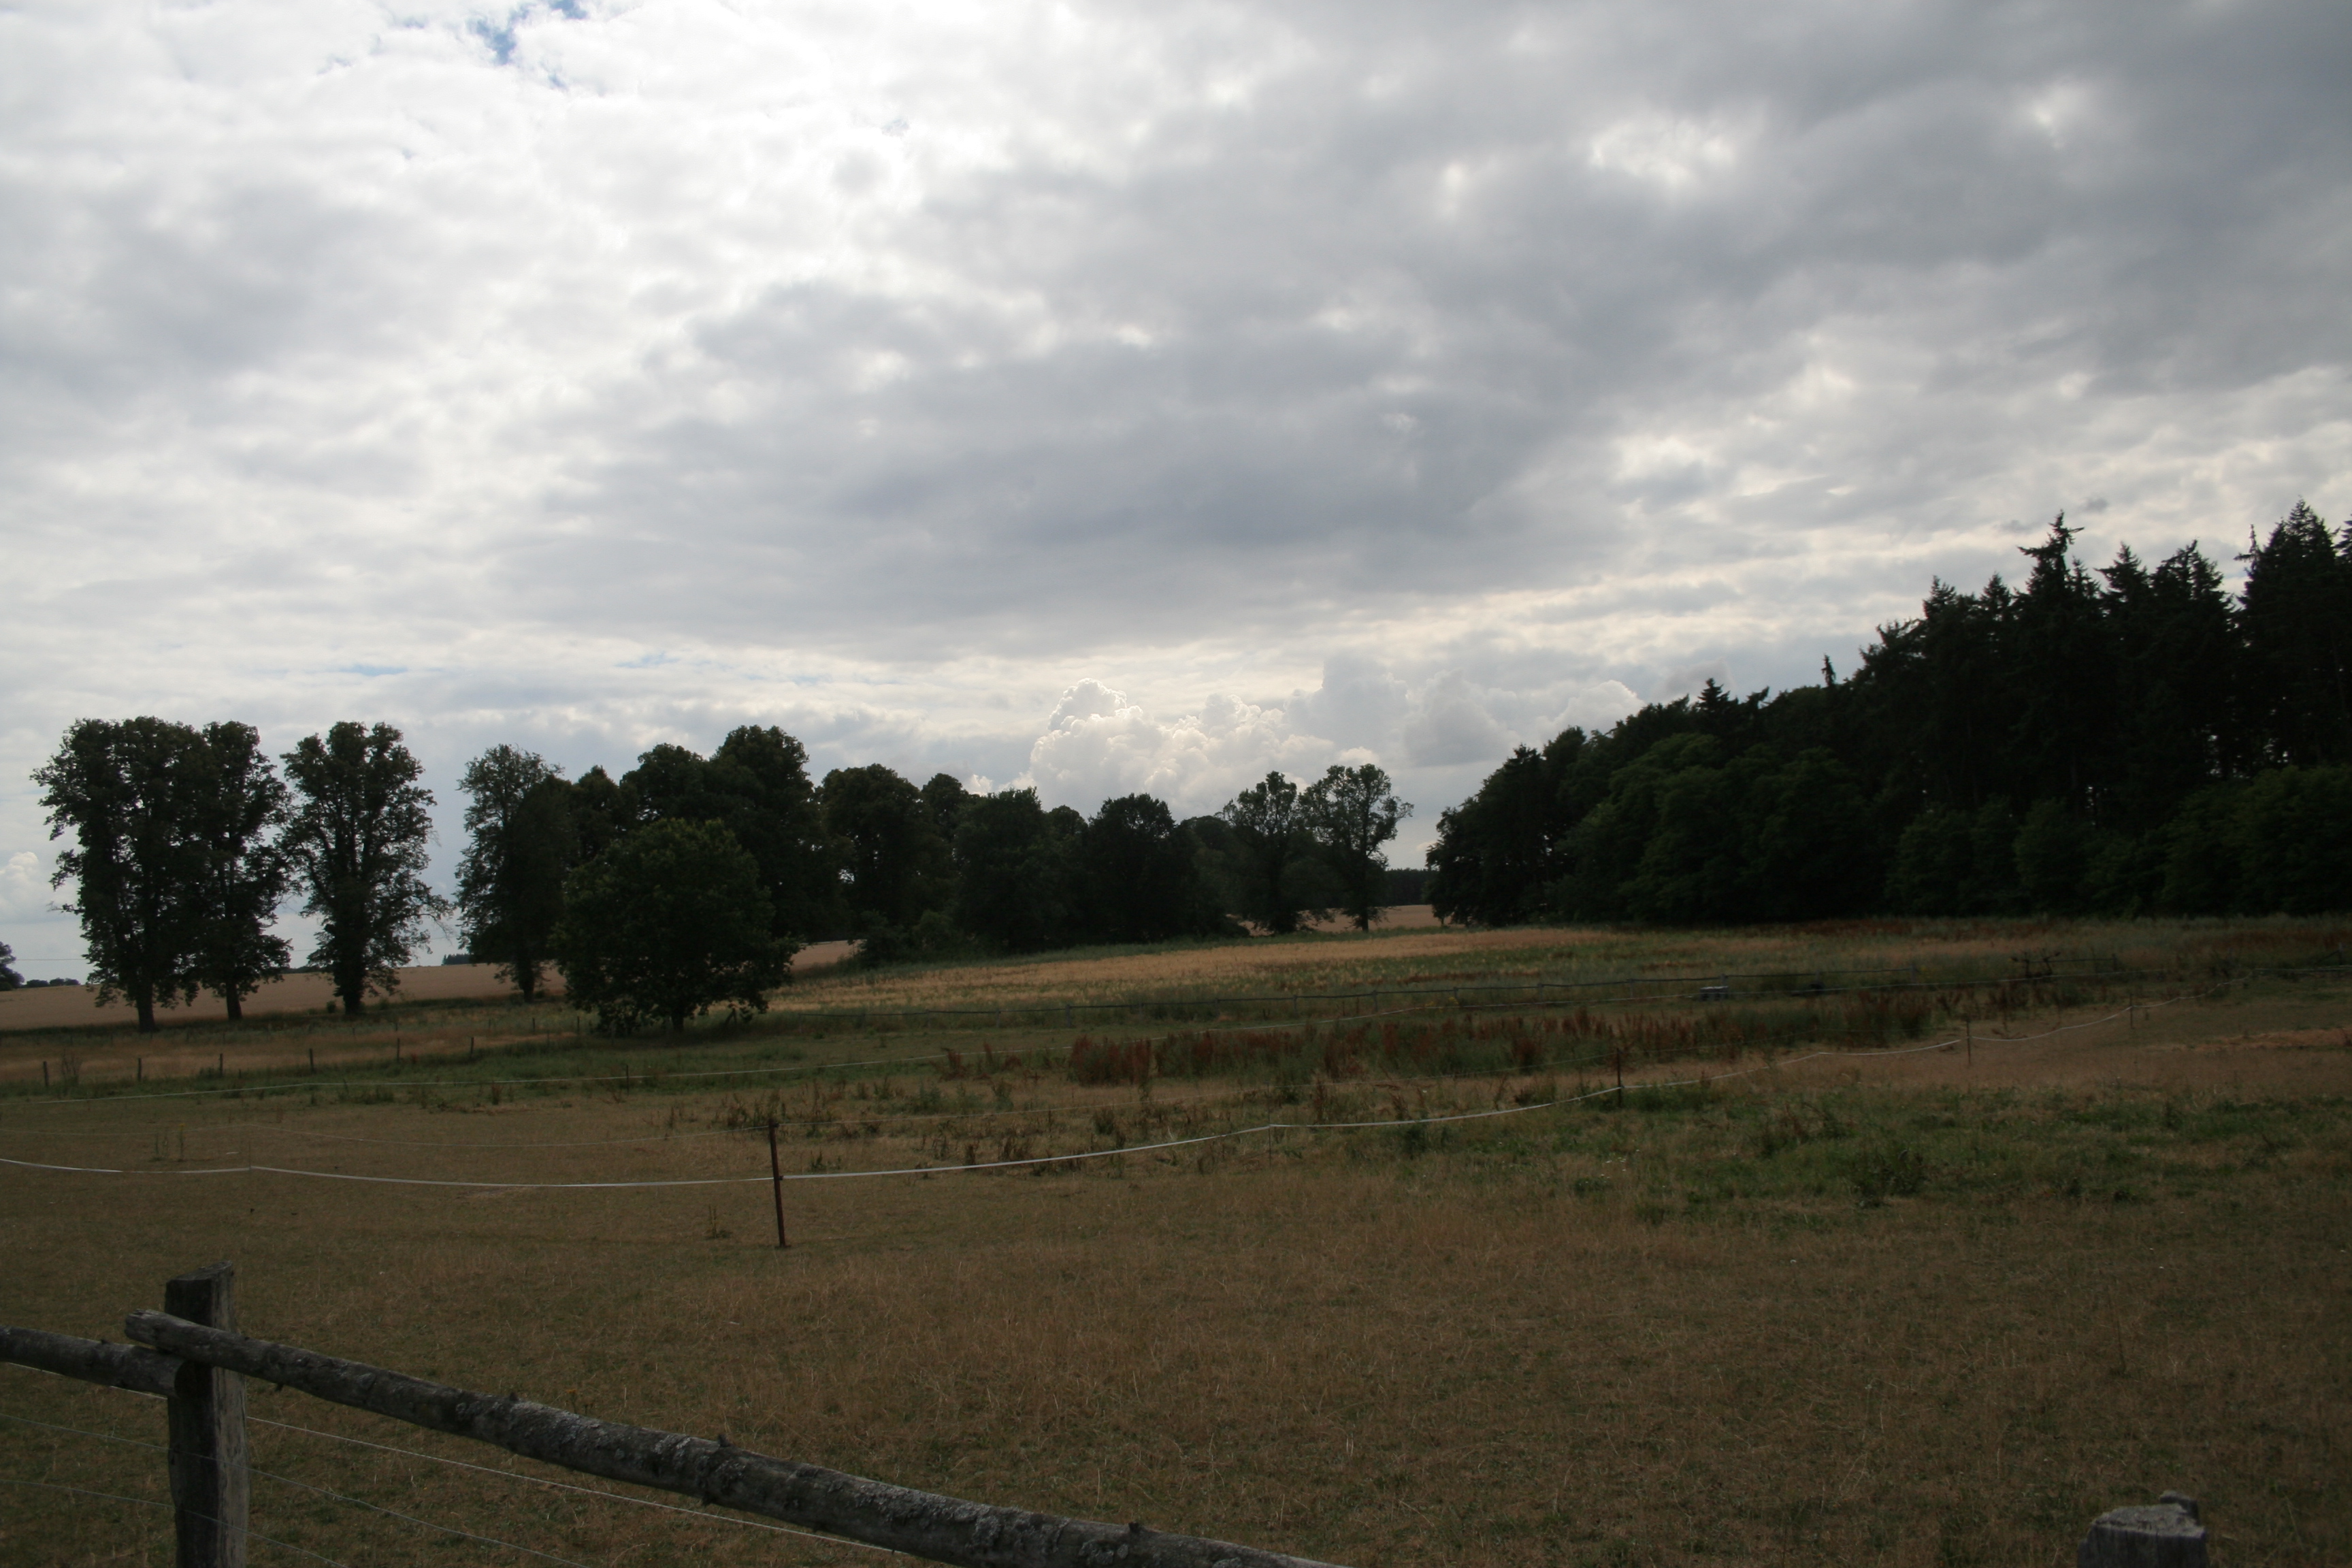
1418, 955
1570, 1336
73, 1007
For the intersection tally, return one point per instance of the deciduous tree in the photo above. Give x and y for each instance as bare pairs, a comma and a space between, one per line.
238, 807
894, 866
668, 923
358, 841
757, 784
1016, 871
1139, 877
1269, 826
128, 794
521, 840
1352, 812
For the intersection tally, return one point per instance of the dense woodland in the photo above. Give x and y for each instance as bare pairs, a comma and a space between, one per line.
2134, 738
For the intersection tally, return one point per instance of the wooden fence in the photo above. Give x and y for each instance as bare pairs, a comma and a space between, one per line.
191, 1355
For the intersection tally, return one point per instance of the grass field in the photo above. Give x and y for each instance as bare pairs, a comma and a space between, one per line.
1937, 1307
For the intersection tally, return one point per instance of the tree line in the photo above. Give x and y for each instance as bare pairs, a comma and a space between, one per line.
2132, 740
687, 883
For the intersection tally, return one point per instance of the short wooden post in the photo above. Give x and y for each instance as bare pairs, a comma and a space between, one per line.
2169, 1533
314, 1060
776, 1182
210, 1482
1620, 1075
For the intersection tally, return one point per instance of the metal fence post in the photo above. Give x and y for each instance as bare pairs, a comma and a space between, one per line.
211, 1484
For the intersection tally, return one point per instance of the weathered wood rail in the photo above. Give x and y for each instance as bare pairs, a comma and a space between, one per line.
200, 1367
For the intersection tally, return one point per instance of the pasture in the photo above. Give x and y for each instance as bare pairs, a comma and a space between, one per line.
1803, 1292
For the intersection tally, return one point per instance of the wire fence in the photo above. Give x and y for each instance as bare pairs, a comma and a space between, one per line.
1079, 1156
453, 1531
1711, 990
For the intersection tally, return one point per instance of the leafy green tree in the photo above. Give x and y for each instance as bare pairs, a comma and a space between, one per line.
238, 806
2202, 854
602, 810
1930, 873
757, 784
1808, 847
1688, 869
9, 978
1142, 879
1992, 887
783, 826
128, 792
1350, 813
522, 838
1279, 886
1017, 871
2052, 850
670, 923
945, 795
894, 864
358, 843
1499, 854
2294, 840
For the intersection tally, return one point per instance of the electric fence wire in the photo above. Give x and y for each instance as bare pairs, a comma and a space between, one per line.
1072, 1158
297, 1085
468, 1465
151, 1502
1816, 992
747, 1129
750, 1128
571, 1487
305, 1486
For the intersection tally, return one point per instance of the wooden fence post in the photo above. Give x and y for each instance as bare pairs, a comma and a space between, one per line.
210, 1482
776, 1181
2169, 1533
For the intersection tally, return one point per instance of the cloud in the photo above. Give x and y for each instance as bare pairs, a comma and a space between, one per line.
1097, 742
1450, 723
1422, 380
25, 890
1097, 745
1688, 680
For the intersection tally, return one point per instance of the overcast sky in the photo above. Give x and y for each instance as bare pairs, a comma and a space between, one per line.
1111, 397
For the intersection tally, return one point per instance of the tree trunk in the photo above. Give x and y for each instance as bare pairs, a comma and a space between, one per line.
145, 1001
236, 1004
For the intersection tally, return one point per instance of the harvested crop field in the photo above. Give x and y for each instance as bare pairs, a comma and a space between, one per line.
1794, 1304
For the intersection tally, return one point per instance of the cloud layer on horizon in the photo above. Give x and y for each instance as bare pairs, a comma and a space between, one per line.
1114, 396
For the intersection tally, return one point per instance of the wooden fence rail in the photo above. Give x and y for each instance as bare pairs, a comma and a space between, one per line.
200, 1368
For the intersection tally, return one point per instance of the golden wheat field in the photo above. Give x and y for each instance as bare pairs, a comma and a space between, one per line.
1924, 1270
